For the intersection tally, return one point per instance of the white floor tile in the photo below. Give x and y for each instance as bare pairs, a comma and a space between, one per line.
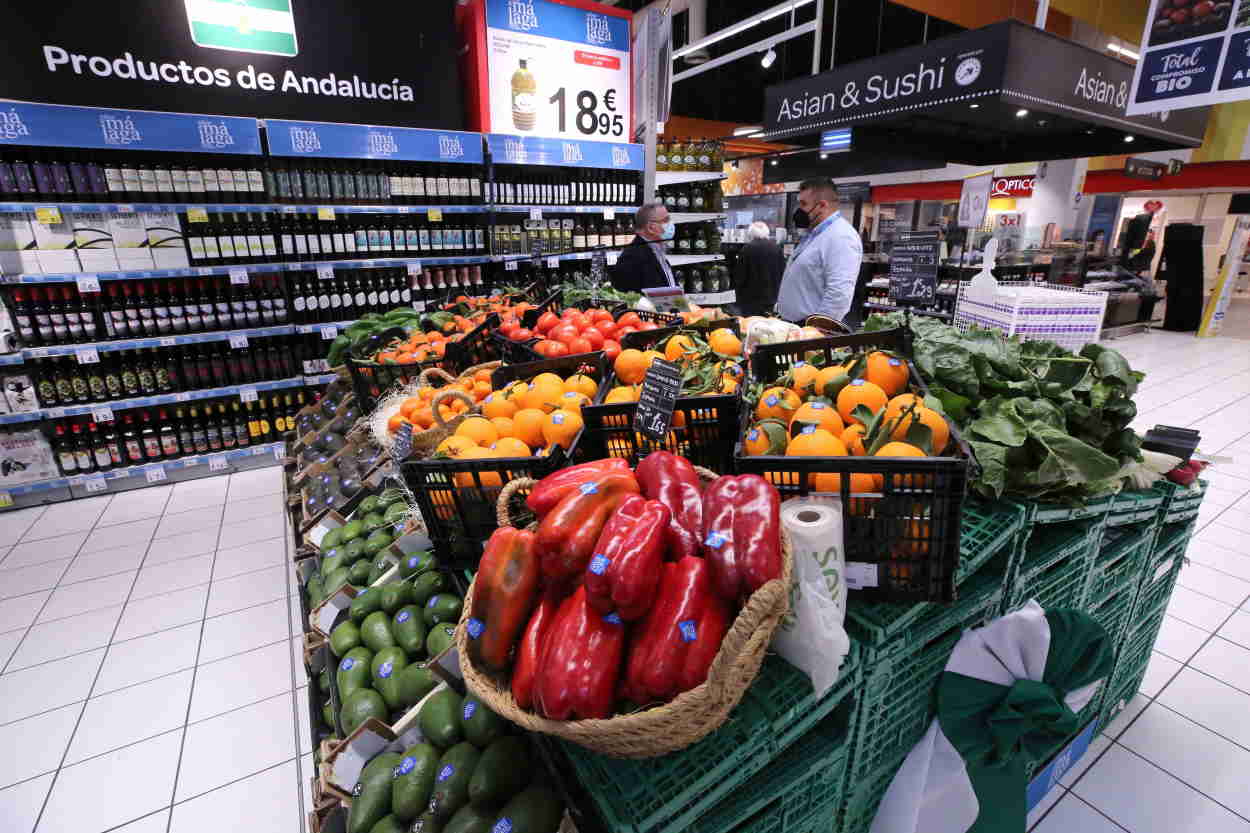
162, 612
155, 823
1125, 716
1179, 640
264, 803
307, 768
19, 612
21, 803
1210, 703
107, 562
1224, 536
132, 714
254, 483
15, 522
247, 590
89, 797
1072, 815
1202, 759
1225, 661
243, 630
232, 746
48, 686
125, 534
1220, 558
35, 745
206, 517
194, 494
175, 575
1096, 747
301, 715
8, 644
22, 580
256, 529
181, 546
241, 679
1236, 517
1237, 628
1155, 803
149, 657
242, 510
73, 599
39, 552
132, 506
84, 515
1159, 670
1198, 610
248, 558
65, 637
1213, 583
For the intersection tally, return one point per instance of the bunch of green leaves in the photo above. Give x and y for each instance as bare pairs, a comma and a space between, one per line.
1043, 422
578, 289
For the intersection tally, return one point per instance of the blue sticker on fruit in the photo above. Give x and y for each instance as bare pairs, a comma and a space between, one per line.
895, 362
385, 669
446, 772
800, 363
817, 406
689, 630
414, 562
589, 488
470, 709
504, 825
557, 418
612, 619
715, 540
771, 399
346, 664
433, 601
475, 627
362, 592
753, 434
402, 616
406, 765
856, 382
599, 564
807, 429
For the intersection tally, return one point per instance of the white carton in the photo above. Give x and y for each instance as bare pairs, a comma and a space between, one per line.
25, 456
17, 244
165, 240
130, 240
94, 242
54, 246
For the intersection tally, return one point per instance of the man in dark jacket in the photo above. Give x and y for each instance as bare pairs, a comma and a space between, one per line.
642, 264
757, 274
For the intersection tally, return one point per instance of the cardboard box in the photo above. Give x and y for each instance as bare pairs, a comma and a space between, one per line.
165, 240
17, 244
19, 394
130, 240
25, 457
54, 246
94, 242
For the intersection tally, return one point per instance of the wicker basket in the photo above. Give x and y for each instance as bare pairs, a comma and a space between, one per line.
667, 727
423, 442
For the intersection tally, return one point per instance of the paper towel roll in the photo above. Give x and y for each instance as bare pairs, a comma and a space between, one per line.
815, 527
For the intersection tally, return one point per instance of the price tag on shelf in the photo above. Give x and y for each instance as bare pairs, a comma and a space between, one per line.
217, 462
510, 266
325, 212
154, 474
403, 209
126, 209
182, 397
54, 413
197, 215
414, 269
102, 413
258, 450
325, 272
434, 215
6, 499
553, 263
94, 484
238, 342
88, 355
238, 276
88, 283
329, 333
49, 215
247, 394
613, 257
609, 213
278, 453
536, 213
168, 341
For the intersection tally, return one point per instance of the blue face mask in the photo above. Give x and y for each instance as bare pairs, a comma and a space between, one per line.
669, 232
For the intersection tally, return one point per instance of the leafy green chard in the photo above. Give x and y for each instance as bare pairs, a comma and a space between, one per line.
1042, 421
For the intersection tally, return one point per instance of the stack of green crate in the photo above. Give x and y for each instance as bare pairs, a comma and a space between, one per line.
1056, 564
1115, 575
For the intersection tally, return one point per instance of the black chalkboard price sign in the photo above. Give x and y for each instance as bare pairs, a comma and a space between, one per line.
914, 268
402, 445
660, 389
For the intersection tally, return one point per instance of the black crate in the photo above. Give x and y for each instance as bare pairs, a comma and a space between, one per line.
911, 532
592, 364
668, 325
517, 352
551, 303
477, 347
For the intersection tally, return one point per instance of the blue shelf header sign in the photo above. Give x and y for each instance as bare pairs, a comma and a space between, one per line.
532, 150
22, 123
545, 19
363, 141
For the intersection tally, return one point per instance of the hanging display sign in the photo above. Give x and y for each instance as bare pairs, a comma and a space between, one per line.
363, 141
22, 123
974, 200
330, 59
1192, 54
531, 150
557, 69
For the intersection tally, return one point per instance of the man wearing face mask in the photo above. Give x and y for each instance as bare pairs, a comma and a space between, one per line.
642, 264
820, 277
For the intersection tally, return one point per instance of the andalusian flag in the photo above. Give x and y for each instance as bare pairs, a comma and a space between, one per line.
264, 26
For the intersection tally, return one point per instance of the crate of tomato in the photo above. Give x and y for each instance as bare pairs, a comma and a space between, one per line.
849, 415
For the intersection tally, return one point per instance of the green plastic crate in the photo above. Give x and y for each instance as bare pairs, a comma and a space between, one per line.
1091, 711
1136, 506
1121, 557
1182, 502
865, 794
985, 530
1053, 513
1056, 565
882, 625
1158, 583
669, 792
806, 779
1130, 667
1113, 612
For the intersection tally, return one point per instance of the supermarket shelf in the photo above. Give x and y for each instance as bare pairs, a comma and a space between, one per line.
303, 329
87, 480
678, 177
10, 359
562, 257
686, 260
162, 341
712, 299
252, 207
321, 379
565, 209
694, 217
251, 269
151, 401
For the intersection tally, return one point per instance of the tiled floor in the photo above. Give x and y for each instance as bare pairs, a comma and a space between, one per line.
150, 663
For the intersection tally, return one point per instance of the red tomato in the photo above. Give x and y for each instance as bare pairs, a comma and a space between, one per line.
629, 319
595, 338
621, 331
600, 315
579, 345
563, 333
509, 327
570, 311
540, 346
521, 335
578, 320
607, 329
647, 325
555, 348
611, 349
546, 321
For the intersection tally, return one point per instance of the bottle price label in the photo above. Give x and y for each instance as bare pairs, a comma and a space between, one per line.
182, 397
103, 414
49, 215
613, 257
154, 474
414, 268
94, 484
258, 450
510, 266
325, 273
217, 462
238, 342
88, 283
278, 453
609, 213
247, 395
434, 215
329, 333
325, 212
238, 276
168, 342
6, 499
553, 263
536, 213
88, 355
197, 215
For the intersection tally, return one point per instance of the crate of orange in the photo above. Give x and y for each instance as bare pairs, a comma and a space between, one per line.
705, 416
849, 415
528, 426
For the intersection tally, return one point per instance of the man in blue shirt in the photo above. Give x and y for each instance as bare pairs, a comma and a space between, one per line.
820, 277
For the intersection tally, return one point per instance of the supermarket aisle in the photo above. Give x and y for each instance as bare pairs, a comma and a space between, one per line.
148, 659
1176, 759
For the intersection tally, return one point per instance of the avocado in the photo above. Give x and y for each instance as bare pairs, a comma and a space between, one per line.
535, 809
353, 671
323, 681
414, 781
503, 771
395, 513
333, 560
451, 784
369, 504
371, 797
327, 713
388, 824
344, 637
379, 568
366, 602
395, 595
351, 531
443, 607
415, 681
480, 725
377, 541
426, 824
375, 630
386, 666
316, 591
359, 706
426, 585
408, 628
374, 520
440, 719
354, 550
360, 571
418, 562
333, 581
440, 638
470, 819
331, 539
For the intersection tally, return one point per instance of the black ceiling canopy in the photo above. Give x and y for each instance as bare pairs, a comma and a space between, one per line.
1007, 92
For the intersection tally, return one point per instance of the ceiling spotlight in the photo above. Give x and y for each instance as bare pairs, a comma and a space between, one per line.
1021, 113
769, 58
748, 130
772, 161
824, 156
973, 106
1128, 138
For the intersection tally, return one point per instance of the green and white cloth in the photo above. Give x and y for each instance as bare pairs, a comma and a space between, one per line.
1008, 696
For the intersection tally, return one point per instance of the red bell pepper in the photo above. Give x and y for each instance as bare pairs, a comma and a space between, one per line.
552, 489
623, 572
504, 592
581, 662
529, 651
567, 534
742, 534
672, 480
675, 645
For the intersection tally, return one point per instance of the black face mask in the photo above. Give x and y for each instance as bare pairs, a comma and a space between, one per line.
801, 218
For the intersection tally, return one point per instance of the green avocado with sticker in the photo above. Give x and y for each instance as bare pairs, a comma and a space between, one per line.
414, 781
344, 637
451, 784
408, 628
367, 601
386, 667
440, 638
359, 706
371, 797
419, 561
442, 607
353, 671
395, 595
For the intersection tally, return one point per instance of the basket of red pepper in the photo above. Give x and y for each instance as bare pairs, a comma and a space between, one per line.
635, 611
